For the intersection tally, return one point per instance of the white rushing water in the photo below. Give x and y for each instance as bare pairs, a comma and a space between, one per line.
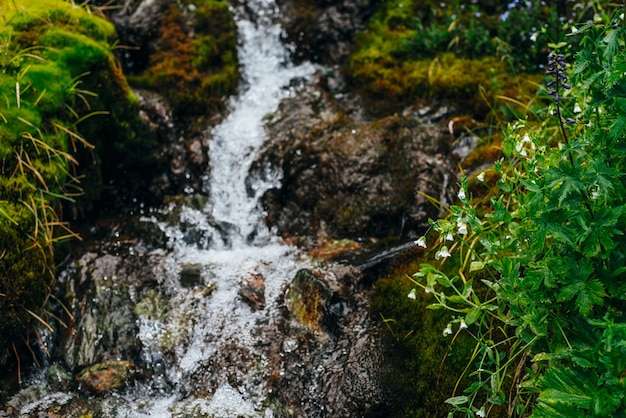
200, 325
186, 347
266, 73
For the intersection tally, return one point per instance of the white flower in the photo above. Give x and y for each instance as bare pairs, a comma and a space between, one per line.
574, 29
442, 253
595, 193
449, 237
481, 413
481, 176
462, 325
461, 194
577, 108
421, 242
428, 289
533, 37
411, 294
462, 227
447, 331
526, 139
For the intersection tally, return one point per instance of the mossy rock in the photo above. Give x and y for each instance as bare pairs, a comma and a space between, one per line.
426, 364
195, 64
62, 94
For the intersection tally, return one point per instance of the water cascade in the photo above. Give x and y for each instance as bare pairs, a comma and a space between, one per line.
200, 348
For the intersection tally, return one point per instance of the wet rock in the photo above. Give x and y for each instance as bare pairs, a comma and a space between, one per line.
252, 290
58, 377
323, 30
191, 275
106, 376
309, 300
313, 376
104, 324
345, 177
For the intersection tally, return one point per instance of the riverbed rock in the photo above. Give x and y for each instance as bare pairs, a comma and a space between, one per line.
323, 30
106, 376
252, 290
346, 177
105, 325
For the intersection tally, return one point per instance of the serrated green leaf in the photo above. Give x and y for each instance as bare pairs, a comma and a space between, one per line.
542, 357
612, 42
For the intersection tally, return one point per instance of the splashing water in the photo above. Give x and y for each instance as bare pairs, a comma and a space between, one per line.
267, 73
203, 328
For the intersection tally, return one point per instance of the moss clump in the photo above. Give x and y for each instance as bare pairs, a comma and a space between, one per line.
52, 56
467, 55
422, 380
194, 72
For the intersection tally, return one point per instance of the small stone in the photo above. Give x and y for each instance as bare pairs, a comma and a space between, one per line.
252, 291
191, 275
106, 376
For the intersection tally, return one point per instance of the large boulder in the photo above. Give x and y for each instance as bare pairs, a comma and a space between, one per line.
323, 30
344, 177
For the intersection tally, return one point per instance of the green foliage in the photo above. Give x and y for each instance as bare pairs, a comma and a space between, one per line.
551, 249
472, 55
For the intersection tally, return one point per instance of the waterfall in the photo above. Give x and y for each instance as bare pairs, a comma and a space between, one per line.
238, 245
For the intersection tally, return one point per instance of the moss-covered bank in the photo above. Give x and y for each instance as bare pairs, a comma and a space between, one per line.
479, 57
66, 113
430, 362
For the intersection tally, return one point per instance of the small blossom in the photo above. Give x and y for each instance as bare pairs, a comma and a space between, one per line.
411, 294
462, 325
481, 413
442, 253
421, 242
461, 194
577, 108
570, 120
533, 37
428, 289
595, 193
449, 237
462, 227
447, 331
481, 176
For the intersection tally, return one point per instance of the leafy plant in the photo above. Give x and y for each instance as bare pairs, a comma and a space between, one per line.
541, 284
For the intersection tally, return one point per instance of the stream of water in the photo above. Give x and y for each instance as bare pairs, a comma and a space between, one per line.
238, 245
188, 349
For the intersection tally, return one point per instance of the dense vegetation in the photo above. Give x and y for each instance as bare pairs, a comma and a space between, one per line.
530, 262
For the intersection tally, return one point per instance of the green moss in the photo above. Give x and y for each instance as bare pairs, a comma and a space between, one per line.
52, 56
426, 364
194, 73
455, 53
